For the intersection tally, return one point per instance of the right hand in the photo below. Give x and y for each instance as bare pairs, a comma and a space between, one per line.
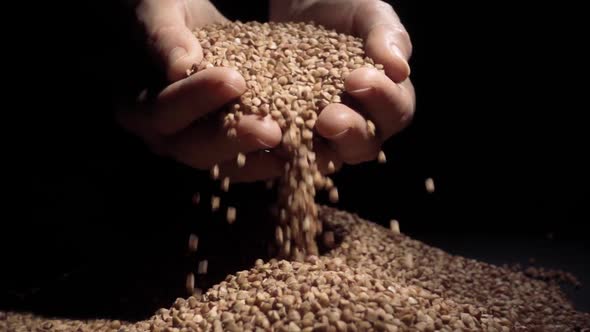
173, 124
388, 99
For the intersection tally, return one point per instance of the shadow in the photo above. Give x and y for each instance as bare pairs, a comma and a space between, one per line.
129, 266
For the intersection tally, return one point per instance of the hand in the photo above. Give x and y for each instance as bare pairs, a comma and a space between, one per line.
387, 99
174, 124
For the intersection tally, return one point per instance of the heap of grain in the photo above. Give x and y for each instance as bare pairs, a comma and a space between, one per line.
292, 72
376, 279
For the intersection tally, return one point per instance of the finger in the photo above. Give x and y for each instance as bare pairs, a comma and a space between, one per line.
386, 40
201, 13
206, 143
259, 166
181, 103
169, 36
390, 106
347, 132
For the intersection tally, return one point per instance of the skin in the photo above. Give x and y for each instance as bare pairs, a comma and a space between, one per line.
173, 124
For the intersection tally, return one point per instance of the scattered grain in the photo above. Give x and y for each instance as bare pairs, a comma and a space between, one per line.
381, 157
429, 184
193, 242
231, 214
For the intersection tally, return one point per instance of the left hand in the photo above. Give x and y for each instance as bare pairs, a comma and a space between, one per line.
387, 99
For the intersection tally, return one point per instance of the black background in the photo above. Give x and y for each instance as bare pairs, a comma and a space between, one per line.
101, 225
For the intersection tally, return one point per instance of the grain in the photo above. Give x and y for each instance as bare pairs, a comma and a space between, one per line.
269, 184
394, 226
190, 283
381, 157
331, 167
292, 71
371, 129
329, 239
429, 184
363, 283
215, 202
231, 214
372, 278
334, 195
196, 198
225, 184
202, 268
193, 243
241, 160
215, 172
232, 132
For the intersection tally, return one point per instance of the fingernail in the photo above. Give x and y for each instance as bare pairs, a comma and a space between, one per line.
231, 86
397, 51
253, 140
263, 143
176, 54
361, 91
337, 135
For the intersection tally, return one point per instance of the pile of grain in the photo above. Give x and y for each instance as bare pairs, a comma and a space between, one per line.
374, 279
292, 71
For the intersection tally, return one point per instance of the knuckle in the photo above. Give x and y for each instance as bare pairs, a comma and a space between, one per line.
383, 6
157, 34
401, 33
405, 39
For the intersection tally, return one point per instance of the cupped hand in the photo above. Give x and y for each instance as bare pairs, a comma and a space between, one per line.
388, 99
175, 123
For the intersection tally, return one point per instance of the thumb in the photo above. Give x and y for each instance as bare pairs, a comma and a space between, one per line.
386, 39
169, 37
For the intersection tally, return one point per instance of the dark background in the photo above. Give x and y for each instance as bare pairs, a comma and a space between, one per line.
100, 225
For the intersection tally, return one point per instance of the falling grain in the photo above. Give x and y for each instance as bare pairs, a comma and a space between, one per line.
292, 72
241, 160
202, 268
215, 202
190, 283
373, 278
381, 157
215, 172
331, 167
369, 281
371, 128
196, 198
231, 214
225, 184
394, 226
193, 243
429, 184
329, 239
334, 195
